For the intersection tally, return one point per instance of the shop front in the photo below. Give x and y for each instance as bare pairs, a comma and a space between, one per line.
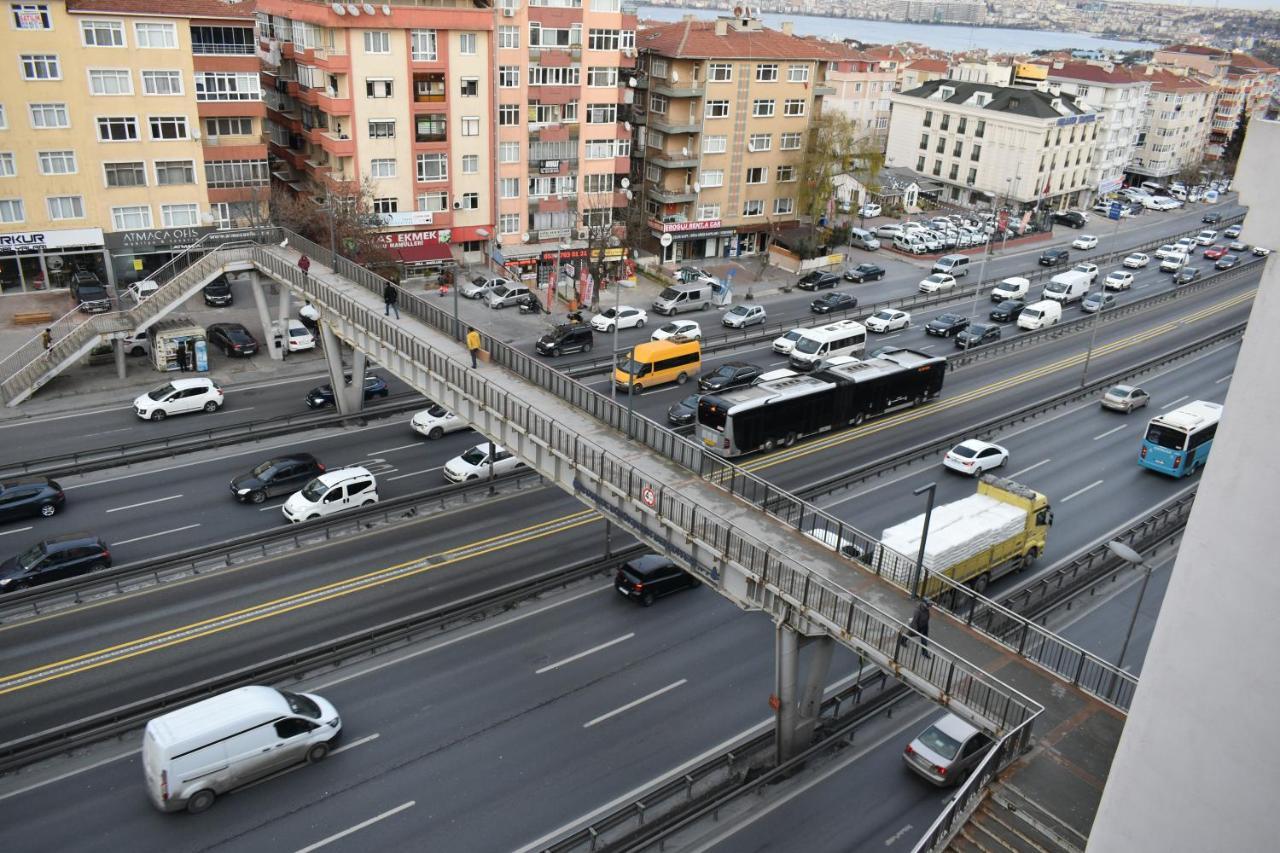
536, 267
136, 255
688, 241
428, 251
45, 260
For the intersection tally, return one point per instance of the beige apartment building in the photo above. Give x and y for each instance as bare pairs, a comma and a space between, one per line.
1176, 125
862, 86
128, 129
726, 107
1120, 94
1245, 86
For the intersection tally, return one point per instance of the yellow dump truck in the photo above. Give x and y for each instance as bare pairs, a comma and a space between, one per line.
977, 539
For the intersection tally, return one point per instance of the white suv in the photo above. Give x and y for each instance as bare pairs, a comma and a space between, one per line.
178, 397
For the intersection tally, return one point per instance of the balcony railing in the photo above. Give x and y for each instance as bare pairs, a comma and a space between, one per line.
208, 49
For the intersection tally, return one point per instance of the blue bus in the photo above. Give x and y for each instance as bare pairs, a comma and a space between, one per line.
1178, 442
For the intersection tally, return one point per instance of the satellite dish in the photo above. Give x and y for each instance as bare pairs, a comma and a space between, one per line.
632, 82
386, 10
684, 152
697, 187
625, 182
524, 238
368, 10
338, 9
630, 195
353, 10
627, 125
675, 76
195, 134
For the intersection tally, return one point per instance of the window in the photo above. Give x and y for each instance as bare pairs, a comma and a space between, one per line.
125, 174
653, 172
783, 205
8, 166
228, 86
423, 45
602, 113
946, 121
508, 38
719, 72
433, 202
980, 129
168, 127
708, 211
508, 76
223, 40
924, 142
762, 107
377, 41
760, 142
964, 123
222, 174
11, 210
432, 167
937, 167
789, 142
658, 103
431, 128
386, 205
470, 87
767, 72
155, 35
954, 173
118, 129
753, 208
382, 128
110, 81
508, 115
717, 109
797, 74
57, 162
554, 75
131, 216
941, 146
715, 144
382, 168
509, 152
467, 44
509, 188
471, 201
973, 177
601, 76
920, 163
4, 119
40, 66
975, 153
757, 175
794, 107
606, 149
179, 215
102, 33
603, 39
161, 82
509, 223
470, 164
957, 149
65, 207
377, 87
600, 183
786, 174
711, 178
31, 16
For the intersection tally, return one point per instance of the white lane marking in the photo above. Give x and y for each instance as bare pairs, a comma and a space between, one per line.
892, 839
1029, 468
416, 473
1077, 494
891, 337
1175, 402
273, 506
1223, 379
353, 744
1111, 431
627, 707
154, 535
925, 348
394, 449
15, 530
144, 503
583, 654
107, 432
324, 842
94, 766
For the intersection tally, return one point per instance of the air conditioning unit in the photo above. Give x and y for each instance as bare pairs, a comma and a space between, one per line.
583, 233
457, 205
508, 12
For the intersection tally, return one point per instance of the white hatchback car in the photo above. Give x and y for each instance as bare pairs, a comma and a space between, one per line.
1118, 280
687, 329
787, 342
332, 491
435, 420
974, 457
936, 282
177, 397
1085, 241
870, 209
476, 464
888, 319
741, 316
1206, 237
1137, 261
299, 338
624, 317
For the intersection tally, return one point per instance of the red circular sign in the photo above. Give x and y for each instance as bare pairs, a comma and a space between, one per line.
647, 495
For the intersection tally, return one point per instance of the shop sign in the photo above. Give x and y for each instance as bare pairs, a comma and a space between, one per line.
409, 239
57, 238
403, 219
678, 227
549, 167
611, 254
150, 238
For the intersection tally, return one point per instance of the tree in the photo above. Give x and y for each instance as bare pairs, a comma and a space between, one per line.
607, 227
343, 215
831, 141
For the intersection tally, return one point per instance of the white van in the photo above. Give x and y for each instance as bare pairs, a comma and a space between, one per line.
1040, 314
1014, 287
953, 265
193, 754
847, 337
332, 492
1173, 262
1067, 286
693, 296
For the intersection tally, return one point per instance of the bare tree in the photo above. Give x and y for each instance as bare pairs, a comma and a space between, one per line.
832, 139
343, 216
606, 227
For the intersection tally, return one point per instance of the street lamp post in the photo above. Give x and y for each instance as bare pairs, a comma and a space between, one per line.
982, 265
1093, 336
1133, 558
917, 572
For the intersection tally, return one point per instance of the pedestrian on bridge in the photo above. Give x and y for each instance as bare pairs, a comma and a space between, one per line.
920, 624
46, 339
304, 264
473, 344
389, 298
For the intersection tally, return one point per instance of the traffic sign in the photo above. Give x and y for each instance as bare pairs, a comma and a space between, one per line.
1113, 212
649, 498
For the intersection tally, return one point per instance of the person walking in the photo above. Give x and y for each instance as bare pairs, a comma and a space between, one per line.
920, 624
473, 344
46, 339
389, 300
304, 264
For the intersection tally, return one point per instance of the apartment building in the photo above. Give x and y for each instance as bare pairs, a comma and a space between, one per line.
1175, 127
995, 145
1120, 96
128, 129
725, 110
862, 85
394, 99
914, 73
1244, 86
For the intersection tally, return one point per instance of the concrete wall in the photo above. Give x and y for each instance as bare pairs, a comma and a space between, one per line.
1194, 770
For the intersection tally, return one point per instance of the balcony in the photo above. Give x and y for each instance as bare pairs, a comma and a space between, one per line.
429, 88
337, 144
676, 160
678, 89
667, 125
433, 128
824, 89
667, 196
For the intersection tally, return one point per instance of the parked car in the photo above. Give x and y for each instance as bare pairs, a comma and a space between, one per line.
435, 420
298, 337
1232, 231
975, 457
475, 463
818, 280
1215, 252
1125, 398
647, 578
178, 397
946, 325
1186, 275
54, 559
624, 317
30, 496
322, 395
833, 301
1085, 241
567, 337
481, 286
1054, 257
977, 334
731, 374
887, 320
1071, 218
936, 282
506, 295
741, 316
1098, 300
946, 752
688, 329
684, 412
278, 476
864, 272
90, 294
889, 231
1118, 280
869, 210
218, 292
233, 339
1226, 262
1008, 310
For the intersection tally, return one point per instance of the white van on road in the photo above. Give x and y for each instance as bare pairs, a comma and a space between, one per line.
1039, 315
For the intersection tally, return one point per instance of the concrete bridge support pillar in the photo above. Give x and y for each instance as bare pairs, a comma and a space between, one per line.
122, 367
333, 360
355, 391
796, 708
258, 284
282, 318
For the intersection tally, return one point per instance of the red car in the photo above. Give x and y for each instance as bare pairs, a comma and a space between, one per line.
1215, 252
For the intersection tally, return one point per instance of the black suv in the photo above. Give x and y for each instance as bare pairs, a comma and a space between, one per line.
89, 293
647, 578
284, 474
1211, 218
978, 334
946, 325
818, 281
1071, 218
55, 559
573, 337
30, 496
218, 292
1008, 310
732, 374
864, 272
833, 301
1054, 257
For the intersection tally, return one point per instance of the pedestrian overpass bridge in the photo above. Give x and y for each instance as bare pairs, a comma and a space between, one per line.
740, 534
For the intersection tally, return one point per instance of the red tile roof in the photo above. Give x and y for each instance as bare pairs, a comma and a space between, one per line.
1163, 80
1194, 48
166, 9
936, 66
698, 39
1118, 74
1252, 63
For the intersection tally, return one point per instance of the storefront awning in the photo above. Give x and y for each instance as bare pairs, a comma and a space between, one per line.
425, 252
